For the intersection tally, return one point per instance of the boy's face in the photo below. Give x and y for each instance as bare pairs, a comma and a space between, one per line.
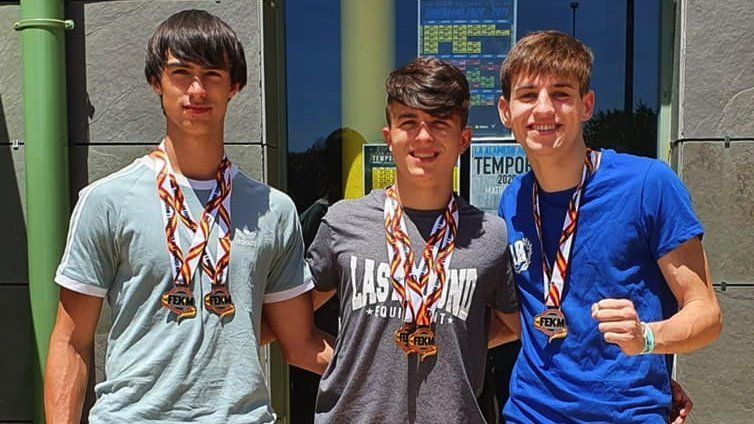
194, 98
546, 113
425, 148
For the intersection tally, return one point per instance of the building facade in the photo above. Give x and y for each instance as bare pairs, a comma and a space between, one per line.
701, 98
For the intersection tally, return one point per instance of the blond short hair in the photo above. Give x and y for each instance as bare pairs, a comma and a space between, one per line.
547, 52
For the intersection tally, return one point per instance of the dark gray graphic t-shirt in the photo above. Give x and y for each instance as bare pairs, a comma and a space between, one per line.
370, 379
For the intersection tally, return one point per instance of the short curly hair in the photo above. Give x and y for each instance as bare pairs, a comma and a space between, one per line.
547, 52
431, 85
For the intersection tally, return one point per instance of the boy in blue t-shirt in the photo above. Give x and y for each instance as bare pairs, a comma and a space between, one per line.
611, 273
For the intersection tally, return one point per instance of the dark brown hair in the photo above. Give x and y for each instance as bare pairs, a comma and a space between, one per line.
547, 52
198, 37
431, 85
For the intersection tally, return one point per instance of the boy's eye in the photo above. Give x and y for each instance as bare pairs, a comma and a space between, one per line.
527, 96
180, 72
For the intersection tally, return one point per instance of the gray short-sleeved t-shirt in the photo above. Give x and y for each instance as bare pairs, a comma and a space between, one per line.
202, 369
370, 379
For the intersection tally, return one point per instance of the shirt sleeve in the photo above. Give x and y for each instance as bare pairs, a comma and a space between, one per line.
288, 276
320, 258
669, 218
504, 297
89, 262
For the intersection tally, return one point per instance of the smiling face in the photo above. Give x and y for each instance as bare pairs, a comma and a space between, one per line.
546, 114
425, 148
194, 98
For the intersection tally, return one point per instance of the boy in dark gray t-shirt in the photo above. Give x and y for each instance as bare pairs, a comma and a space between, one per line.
415, 268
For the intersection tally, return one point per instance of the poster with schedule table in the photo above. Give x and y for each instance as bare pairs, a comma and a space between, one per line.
474, 36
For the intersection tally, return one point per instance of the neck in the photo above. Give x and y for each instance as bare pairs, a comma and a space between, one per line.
196, 157
421, 197
561, 172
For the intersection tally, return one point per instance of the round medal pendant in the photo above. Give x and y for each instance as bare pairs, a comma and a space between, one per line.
552, 322
401, 337
180, 301
422, 341
219, 302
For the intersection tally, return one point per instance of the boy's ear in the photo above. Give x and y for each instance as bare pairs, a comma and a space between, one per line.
588, 102
156, 87
386, 136
504, 110
234, 89
465, 139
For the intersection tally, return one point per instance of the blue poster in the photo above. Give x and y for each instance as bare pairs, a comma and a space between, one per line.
493, 167
475, 36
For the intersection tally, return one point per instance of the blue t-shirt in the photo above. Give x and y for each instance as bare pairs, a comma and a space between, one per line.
553, 208
633, 212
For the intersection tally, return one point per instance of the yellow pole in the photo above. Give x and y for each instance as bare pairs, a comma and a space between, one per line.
367, 30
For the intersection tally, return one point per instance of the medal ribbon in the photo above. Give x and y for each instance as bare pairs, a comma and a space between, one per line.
419, 287
554, 279
175, 211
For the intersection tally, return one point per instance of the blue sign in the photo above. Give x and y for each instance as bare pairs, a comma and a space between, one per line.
493, 167
474, 36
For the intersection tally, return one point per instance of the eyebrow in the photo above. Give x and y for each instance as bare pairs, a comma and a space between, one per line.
407, 115
181, 64
556, 85
177, 64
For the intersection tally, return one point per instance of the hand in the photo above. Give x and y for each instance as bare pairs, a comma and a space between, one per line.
682, 404
619, 324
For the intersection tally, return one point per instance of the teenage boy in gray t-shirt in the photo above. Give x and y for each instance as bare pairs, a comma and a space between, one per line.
188, 252
415, 267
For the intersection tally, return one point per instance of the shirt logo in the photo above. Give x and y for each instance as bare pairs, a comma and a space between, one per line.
245, 237
521, 253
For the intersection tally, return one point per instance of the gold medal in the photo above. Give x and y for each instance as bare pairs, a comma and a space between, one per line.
180, 301
422, 341
552, 322
418, 291
219, 301
401, 337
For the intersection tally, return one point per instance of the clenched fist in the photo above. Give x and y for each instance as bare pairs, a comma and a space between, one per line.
619, 324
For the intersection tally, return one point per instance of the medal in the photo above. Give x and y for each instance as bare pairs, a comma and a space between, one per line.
418, 287
402, 336
180, 301
422, 341
552, 322
218, 301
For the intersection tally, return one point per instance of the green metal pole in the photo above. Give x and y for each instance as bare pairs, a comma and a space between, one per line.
46, 153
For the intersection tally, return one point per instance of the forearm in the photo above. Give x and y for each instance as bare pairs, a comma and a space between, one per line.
504, 328
265, 332
65, 382
696, 325
313, 354
500, 334
320, 298
699, 320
